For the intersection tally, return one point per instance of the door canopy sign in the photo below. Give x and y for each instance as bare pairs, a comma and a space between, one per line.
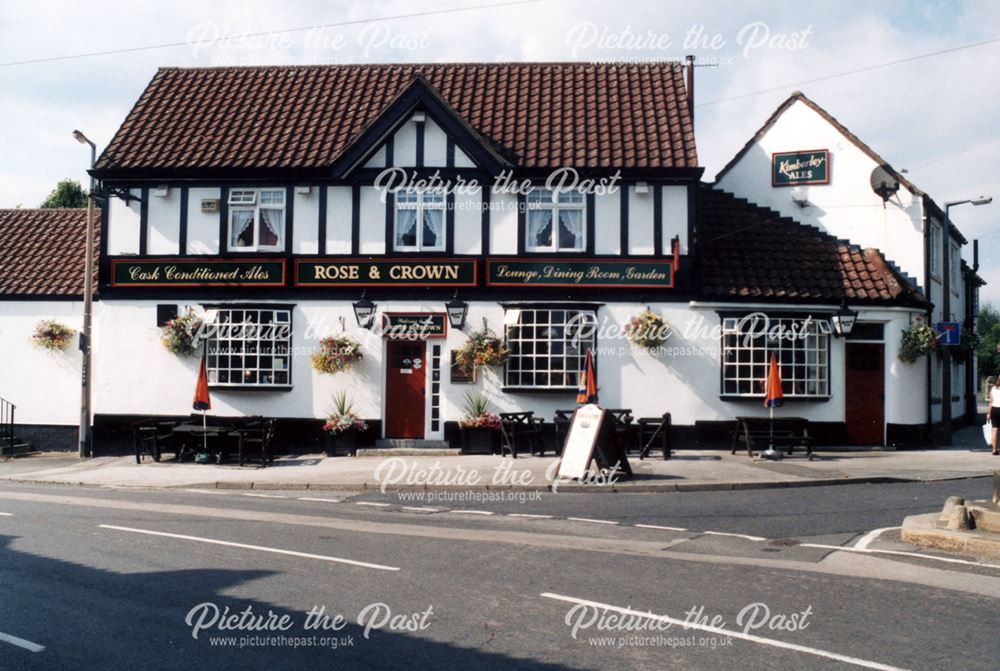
796, 168
414, 325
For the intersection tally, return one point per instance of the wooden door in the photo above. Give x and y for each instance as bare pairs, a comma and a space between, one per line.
405, 378
865, 389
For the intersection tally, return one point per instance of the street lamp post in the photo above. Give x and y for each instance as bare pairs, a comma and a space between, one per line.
86, 448
946, 308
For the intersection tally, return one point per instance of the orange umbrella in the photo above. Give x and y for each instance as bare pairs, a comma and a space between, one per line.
772, 387
587, 390
201, 400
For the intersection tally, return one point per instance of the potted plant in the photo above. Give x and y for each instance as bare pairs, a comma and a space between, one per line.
479, 426
179, 334
483, 348
336, 354
343, 426
647, 330
918, 340
51, 335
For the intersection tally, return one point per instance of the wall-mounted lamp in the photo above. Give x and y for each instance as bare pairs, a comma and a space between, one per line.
364, 312
457, 311
843, 320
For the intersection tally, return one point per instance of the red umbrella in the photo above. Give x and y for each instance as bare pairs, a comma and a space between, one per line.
587, 390
201, 399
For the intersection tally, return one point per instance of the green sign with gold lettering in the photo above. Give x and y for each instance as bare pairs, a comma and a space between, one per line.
615, 273
354, 271
793, 168
197, 272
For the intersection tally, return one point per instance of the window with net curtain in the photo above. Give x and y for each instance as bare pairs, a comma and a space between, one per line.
555, 221
419, 223
256, 219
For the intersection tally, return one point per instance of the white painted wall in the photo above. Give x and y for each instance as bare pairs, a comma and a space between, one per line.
607, 223
640, 221
503, 223
372, 240
378, 158
338, 220
44, 385
404, 145
675, 216
435, 145
847, 207
468, 223
203, 227
123, 225
305, 230
164, 223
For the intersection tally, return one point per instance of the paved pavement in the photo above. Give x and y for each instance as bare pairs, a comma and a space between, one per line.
687, 470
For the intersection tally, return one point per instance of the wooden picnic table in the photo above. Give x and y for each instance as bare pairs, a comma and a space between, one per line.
782, 432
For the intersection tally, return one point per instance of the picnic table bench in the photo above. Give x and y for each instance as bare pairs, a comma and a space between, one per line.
520, 431
782, 432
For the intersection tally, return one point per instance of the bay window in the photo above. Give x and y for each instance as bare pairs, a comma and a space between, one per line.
547, 347
250, 347
555, 221
419, 222
802, 347
256, 219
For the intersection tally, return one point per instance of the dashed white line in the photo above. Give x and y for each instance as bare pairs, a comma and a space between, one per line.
726, 533
592, 521
657, 526
530, 516
6, 514
422, 509
260, 548
206, 491
867, 539
471, 512
265, 496
856, 661
313, 498
371, 503
918, 555
21, 642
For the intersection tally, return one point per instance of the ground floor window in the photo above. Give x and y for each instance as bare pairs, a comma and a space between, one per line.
547, 346
250, 347
802, 346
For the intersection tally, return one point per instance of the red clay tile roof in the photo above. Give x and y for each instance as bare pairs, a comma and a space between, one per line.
539, 115
744, 251
43, 251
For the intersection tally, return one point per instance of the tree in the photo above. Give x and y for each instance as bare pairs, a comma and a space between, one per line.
68, 193
988, 327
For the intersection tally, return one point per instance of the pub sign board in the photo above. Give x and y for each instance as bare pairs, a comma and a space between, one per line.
351, 271
796, 168
197, 272
592, 273
414, 325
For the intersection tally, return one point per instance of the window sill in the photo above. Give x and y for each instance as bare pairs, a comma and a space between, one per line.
729, 398
249, 387
538, 390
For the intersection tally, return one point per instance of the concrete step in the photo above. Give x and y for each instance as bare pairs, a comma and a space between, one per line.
412, 443
408, 447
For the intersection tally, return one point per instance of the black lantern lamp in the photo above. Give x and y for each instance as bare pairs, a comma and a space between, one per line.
843, 320
457, 312
364, 312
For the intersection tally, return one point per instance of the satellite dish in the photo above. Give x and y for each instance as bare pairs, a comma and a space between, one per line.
884, 182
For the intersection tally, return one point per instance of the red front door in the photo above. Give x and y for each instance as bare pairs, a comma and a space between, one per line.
404, 388
865, 390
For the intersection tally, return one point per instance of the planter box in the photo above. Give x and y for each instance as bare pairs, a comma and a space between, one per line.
480, 441
342, 444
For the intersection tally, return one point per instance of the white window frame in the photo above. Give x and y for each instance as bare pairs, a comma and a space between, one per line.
804, 361
956, 268
547, 200
250, 348
934, 260
417, 200
252, 200
547, 346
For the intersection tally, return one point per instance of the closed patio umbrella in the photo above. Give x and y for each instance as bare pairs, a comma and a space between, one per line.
201, 399
587, 389
773, 398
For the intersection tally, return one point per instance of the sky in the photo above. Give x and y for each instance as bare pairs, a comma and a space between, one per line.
936, 117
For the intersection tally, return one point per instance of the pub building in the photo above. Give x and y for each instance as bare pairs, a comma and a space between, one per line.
410, 206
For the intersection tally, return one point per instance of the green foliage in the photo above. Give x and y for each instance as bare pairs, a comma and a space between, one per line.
68, 193
988, 326
918, 340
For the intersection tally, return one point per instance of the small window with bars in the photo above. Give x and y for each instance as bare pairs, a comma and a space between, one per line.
250, 347
547, 347
802, 347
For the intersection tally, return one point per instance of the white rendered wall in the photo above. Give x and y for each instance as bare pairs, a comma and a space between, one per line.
435, 145
503, 223
675, 217
123, 225
468, 223
373, 234
607, 223
203, 227
305, 229
640, 221
338, 220
163, 223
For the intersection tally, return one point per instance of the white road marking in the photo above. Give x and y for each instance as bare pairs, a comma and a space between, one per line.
265, 496
867, 539
206, 491
724, 533
471, 512
656, 526
869, 551
21, 643
291, 553
530, 516
6, 514
856, 661
592, 521
371, 503
423, 509
311, 498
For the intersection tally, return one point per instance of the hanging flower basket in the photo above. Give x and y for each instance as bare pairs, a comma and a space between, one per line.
647, 330
482, 349
336, 354
51, 335
178, 334
918, 340
970, 340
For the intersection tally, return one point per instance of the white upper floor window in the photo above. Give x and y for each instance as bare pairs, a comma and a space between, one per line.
956, 269
934, 255
555, 223
257, 219
419, 222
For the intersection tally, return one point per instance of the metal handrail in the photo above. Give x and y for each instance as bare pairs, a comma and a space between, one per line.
6, 424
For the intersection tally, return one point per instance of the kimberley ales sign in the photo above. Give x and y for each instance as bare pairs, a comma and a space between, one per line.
350, 271
617, 273
197, 273
794, 168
